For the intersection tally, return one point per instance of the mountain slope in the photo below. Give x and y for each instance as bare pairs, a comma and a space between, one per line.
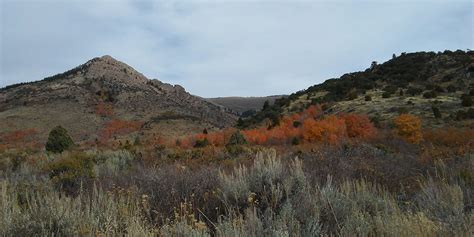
412, 82
242, 104
103, 89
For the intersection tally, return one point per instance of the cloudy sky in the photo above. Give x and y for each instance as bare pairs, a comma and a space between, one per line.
223, 48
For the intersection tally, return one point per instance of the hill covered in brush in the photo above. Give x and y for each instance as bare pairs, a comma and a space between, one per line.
438, 87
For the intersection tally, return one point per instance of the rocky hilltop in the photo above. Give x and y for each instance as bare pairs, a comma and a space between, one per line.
85, 98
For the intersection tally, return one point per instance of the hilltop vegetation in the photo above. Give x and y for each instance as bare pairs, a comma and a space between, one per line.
410, 82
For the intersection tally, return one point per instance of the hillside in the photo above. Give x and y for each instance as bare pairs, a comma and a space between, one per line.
243, 105
415, 83
105, 92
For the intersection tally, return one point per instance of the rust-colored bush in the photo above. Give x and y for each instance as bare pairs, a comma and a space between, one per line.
330, 129
409, 128
307, 126
359, 126
118, 127
450, 137
312, 130
24, 138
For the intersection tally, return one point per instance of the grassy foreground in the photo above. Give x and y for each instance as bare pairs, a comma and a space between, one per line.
104, 193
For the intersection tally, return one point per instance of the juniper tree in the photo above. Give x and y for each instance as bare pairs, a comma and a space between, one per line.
58, 140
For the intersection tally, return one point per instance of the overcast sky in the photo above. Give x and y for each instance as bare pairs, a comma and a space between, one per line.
224, 48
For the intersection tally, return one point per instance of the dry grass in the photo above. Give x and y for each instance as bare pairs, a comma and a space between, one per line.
270, 196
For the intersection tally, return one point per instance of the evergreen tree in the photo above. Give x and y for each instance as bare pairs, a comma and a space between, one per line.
266, 105
436, 112
240, 123
58, 140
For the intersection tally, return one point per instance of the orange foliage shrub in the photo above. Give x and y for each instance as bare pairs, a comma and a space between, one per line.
23, 138
409, 128
331, 129
312, 130
335, 129
285, 132
218, 138
358, 126
447, 143
118, 127
256, 136
306, 125
312, 111
186, 142
451, 137
19, 135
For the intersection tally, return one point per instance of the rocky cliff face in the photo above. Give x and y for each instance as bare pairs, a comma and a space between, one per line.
84, 98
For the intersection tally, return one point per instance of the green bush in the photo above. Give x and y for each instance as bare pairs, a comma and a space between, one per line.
439, 89
414, 91
436, 112
296, 124
69, 170
451, 88
430, 94
201, 143
295, 141
401, 92
237, 139
466, 101
58, 140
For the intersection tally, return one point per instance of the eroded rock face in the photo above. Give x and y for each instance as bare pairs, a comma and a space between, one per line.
106, 80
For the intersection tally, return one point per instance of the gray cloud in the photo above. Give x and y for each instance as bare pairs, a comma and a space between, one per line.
226, 48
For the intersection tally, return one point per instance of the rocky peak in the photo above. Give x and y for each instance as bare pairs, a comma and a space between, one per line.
105, 80
108, 68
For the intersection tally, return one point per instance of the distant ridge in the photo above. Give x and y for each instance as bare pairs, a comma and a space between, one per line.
241, 105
